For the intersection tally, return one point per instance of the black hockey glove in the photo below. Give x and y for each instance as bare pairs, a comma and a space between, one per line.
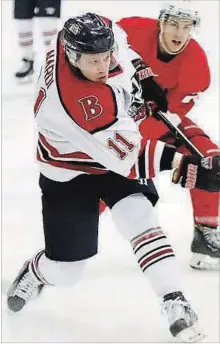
151, 90
201, 173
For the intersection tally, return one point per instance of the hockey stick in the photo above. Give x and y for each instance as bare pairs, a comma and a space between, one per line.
178, 133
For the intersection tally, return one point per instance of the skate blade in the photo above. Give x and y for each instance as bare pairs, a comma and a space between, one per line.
190, 335
203, 262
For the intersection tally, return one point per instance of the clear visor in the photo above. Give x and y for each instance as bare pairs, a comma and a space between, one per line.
181, 16
184, 26
87, 61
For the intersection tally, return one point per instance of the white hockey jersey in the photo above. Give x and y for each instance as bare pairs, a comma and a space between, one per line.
86, 127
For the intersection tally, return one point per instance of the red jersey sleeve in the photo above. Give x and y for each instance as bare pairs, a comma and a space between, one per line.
138, 30
194, 78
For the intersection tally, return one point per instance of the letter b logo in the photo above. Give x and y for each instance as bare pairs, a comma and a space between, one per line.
91, 107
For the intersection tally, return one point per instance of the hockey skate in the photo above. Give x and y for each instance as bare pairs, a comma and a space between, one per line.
24, 288
25, 73
181, 318
205, 248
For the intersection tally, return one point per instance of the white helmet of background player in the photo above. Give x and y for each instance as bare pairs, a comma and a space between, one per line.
177, 22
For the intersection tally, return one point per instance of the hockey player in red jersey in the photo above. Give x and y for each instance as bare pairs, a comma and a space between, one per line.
89, 148
181, 67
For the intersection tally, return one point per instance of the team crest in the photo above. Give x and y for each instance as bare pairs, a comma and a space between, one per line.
75, 29
91, 107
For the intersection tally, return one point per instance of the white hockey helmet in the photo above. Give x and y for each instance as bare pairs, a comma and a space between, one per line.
183, 10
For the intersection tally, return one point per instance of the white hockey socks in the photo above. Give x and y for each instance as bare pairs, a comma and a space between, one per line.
25, 37
136, 219
58, 273
49, 28
156, 258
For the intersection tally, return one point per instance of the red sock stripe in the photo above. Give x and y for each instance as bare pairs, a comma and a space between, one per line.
25, 34
34, 264
146, 237
156, 255
170, 255
50, 33
24, 44
151, 158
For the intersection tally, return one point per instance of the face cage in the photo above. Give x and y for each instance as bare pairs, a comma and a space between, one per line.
74, 56
192, 31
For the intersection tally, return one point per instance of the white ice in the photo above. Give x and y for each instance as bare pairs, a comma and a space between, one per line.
113, 302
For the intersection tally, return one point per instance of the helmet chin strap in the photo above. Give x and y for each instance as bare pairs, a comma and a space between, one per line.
163, 44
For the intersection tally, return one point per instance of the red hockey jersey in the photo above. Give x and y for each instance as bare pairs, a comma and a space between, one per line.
184, 77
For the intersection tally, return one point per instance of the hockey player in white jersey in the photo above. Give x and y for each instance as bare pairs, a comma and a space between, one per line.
90, 148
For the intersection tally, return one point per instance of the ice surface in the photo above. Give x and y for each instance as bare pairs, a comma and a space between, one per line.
113, 302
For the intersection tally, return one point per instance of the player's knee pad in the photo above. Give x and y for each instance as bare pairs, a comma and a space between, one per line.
60, 273
133, 215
